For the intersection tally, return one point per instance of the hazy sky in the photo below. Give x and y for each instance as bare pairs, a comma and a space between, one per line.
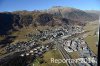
13, 5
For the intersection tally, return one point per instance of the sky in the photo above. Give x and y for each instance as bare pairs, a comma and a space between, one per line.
30, 5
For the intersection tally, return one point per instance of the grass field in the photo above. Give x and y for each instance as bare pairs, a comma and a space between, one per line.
91, 39
2, 51
24, 31
2, 38
74, 55
47, 58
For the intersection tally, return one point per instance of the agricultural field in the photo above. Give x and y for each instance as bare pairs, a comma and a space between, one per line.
47, 59
91, 39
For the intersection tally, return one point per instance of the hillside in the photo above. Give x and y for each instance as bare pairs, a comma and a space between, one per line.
94, 13
97, 12
14, 21
71, 13
23, 22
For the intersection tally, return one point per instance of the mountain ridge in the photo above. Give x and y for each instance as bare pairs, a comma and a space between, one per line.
71, 13
18, 19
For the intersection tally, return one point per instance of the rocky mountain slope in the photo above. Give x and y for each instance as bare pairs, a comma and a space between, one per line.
71, 13
94, 13
12, 21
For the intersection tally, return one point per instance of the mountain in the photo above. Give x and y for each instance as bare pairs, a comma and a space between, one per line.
14, 21
17, 20
71, 13
94, 13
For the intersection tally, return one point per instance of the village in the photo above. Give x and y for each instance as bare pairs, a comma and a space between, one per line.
34, 48
42, 36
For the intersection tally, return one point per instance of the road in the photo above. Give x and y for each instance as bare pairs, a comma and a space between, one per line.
63, 52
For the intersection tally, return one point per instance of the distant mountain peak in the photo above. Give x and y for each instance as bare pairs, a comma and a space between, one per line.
71, 13
62, 7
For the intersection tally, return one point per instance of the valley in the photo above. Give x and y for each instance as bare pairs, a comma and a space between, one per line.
34, 37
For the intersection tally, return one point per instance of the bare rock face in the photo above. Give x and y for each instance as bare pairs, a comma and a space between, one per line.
6, 20
44, 18
15, 21
71, 13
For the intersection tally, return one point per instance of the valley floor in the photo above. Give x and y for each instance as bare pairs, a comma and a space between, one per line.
65, 46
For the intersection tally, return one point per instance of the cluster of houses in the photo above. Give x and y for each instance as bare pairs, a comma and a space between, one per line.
28, 48
79, 45
32, 47
20, 46
59, 31
45, 35
74, 44
38, 51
